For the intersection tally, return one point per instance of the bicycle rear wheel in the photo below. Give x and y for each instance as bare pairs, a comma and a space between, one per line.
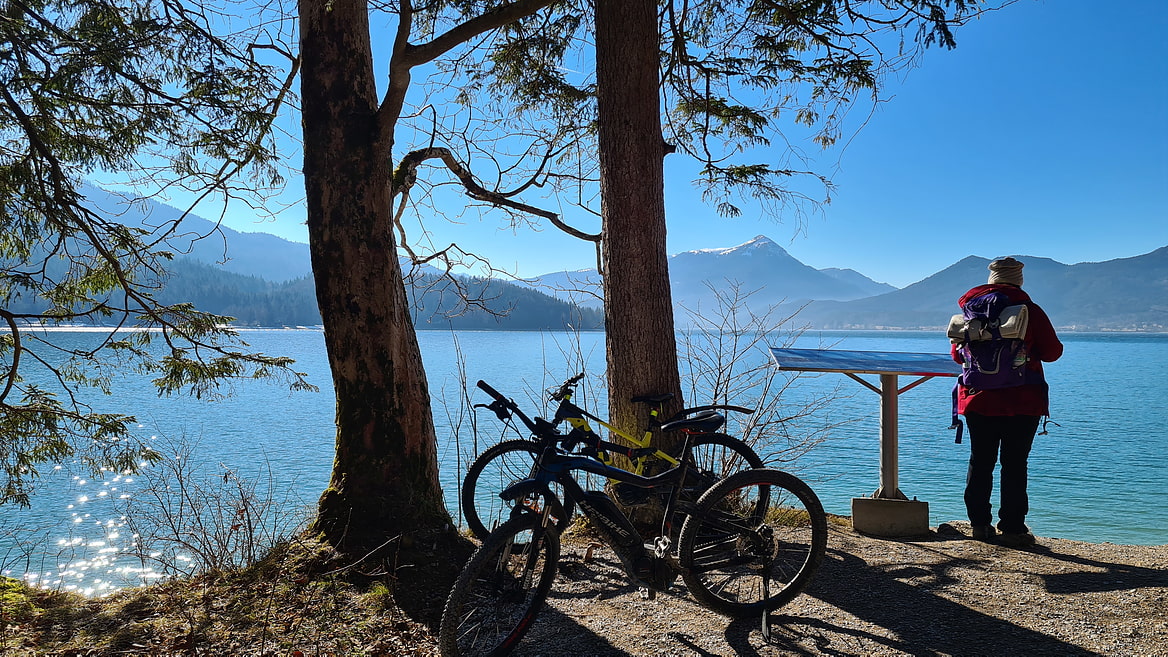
496, 468
753, 542
501, 589
717, 455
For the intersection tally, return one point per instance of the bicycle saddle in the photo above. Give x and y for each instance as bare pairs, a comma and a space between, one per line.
701, 422
652, 399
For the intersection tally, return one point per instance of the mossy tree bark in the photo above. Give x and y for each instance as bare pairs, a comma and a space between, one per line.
641, 346
385, 476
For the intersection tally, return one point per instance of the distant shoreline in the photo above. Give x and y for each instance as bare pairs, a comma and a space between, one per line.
884, 329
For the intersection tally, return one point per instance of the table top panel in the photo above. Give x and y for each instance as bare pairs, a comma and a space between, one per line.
865, 362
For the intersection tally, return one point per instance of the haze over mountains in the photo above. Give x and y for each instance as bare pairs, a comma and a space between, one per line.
759, 266
256, 254
264, 280
1122, 294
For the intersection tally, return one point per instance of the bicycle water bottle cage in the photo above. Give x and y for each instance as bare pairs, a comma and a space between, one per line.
593, 452
703, 422
630, 495
575, 437
640, 452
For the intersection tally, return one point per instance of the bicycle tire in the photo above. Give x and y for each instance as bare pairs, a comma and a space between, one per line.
748, 532
501, 589
716, 464
496, 468
715, 457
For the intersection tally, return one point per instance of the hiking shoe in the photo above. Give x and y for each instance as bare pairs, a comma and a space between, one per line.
984, 533
1020, 540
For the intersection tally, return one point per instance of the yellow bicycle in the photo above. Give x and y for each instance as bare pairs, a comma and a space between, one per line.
715, 455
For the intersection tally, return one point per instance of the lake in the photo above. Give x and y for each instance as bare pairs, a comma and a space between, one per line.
1098, 476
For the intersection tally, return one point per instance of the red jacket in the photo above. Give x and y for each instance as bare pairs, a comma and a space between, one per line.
1041, 344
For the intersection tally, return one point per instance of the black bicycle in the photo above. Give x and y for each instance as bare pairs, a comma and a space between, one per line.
715, 454
747, 546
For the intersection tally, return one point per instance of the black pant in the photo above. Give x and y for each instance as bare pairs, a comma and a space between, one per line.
1012, 436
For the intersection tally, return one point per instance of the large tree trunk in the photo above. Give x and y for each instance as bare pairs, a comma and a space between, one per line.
638, 308
385, 476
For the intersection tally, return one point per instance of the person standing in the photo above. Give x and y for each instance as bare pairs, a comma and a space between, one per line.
1003, 422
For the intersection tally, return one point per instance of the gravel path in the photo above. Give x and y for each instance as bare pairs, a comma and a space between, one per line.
939, 595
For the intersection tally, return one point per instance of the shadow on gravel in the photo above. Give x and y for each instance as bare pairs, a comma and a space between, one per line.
918, 621
1114, 577
557, 635
900, 599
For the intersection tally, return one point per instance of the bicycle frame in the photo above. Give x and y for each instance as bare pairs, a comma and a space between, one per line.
577, 418
641, 564
600, 453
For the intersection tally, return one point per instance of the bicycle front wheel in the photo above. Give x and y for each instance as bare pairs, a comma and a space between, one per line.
496, 468
501, 589
753, 542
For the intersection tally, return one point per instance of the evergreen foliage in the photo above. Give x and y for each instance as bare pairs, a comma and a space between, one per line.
437, 303
113, 87
736, 75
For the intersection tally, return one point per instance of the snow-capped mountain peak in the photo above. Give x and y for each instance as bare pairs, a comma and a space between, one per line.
760, 244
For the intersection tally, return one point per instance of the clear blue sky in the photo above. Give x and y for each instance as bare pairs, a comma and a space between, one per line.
1044, 133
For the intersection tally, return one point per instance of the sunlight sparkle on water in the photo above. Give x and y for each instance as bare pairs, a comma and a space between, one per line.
93, 557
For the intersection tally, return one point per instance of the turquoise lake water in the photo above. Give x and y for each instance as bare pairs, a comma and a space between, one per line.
1098, 476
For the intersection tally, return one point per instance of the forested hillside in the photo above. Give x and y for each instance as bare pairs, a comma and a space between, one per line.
436, 302
251, 300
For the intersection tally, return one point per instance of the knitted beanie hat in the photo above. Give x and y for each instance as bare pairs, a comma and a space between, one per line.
1007, 271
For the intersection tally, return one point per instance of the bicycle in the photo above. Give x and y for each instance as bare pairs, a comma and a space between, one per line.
716, 454
747, 546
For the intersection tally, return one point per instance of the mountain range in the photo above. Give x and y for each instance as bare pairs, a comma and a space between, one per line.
1122, 294
759, 267
264, 280
258, 254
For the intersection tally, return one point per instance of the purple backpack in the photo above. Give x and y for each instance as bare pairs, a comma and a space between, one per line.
991, 361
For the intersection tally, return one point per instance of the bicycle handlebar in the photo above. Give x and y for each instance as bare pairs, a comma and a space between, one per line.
504, 408
566, 388
492, 392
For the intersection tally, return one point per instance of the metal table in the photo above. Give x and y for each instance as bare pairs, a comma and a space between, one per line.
889, 365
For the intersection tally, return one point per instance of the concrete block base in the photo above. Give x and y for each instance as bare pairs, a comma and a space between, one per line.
891, 518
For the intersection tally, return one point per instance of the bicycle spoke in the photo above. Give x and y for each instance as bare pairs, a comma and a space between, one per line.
753, 542
495, 469
501, 589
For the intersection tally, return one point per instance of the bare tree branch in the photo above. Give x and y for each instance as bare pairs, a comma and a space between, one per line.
406, 175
